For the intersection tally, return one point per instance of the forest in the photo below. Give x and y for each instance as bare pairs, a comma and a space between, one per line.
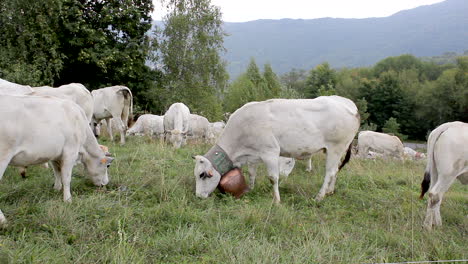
104, 43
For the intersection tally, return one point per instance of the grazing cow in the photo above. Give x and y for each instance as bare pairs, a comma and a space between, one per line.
447, 160
380, 143
149, 125
10, 88
297, 128
198, 127
214, 131
410, 153
75, 92
27, 139
176, 124
113, 102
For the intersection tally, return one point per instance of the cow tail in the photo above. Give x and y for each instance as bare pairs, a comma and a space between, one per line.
127, 114
425, 183
347, 157
431, 170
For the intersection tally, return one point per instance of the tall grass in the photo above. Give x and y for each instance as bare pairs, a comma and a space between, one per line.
149, 214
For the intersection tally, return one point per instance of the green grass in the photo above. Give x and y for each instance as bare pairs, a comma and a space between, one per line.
149, 214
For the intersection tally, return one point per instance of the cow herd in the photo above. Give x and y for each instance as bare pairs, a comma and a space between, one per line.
60, 126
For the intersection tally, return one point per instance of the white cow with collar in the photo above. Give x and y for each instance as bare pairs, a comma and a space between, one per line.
39, 129
264, 131
113, 102
382, 143
177, 124
447, 160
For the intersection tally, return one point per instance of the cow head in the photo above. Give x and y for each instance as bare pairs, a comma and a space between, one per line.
286, 165
96, 167
206, 177
176, 137
95, 127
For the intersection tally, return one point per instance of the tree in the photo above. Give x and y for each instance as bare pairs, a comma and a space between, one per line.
294, 80
321, 78
30, 46
240, 92
97, 43
191, 42
272, 82
391, 126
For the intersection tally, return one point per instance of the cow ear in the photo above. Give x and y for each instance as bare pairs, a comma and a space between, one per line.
109, 160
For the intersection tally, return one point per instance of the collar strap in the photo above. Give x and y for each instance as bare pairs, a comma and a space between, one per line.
219, 159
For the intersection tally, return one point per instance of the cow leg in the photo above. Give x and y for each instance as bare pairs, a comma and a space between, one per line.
4, 161
332, 163
309, 165
58, 176
435, 195
121, 129
362, 151
109, 129
272, 164
66, 171
252, 174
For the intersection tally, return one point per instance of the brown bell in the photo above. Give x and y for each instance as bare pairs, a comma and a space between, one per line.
233, 182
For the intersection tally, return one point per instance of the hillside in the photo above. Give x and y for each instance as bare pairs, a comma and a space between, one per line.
287, 43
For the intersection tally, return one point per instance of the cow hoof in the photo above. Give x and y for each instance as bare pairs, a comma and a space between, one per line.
319, 198
3, 221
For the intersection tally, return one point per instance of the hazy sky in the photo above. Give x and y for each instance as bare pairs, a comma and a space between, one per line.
247, 10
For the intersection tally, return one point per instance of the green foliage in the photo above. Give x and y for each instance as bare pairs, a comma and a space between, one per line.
191, 41
54, 42
321, 81
30, 47
362, 107
295, 80
255, 86
391, 126
241, 91
272, 82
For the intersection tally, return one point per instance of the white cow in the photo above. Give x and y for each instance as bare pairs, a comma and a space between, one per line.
10, 88
214, 131
198, 127
297, 128
113, 102
149, 125
75, 92
176, 124
40, 129
380, 143
410, 153
447, 160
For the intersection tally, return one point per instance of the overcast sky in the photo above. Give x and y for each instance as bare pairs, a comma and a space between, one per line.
247, 10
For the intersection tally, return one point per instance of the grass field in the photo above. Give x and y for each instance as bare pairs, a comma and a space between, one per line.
149, 214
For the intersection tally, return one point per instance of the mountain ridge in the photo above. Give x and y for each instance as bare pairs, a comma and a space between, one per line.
346, 42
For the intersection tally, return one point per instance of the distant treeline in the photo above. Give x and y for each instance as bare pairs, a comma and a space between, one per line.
403, 95
104, 43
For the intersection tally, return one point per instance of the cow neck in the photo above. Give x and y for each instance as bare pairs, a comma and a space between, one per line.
219, 159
